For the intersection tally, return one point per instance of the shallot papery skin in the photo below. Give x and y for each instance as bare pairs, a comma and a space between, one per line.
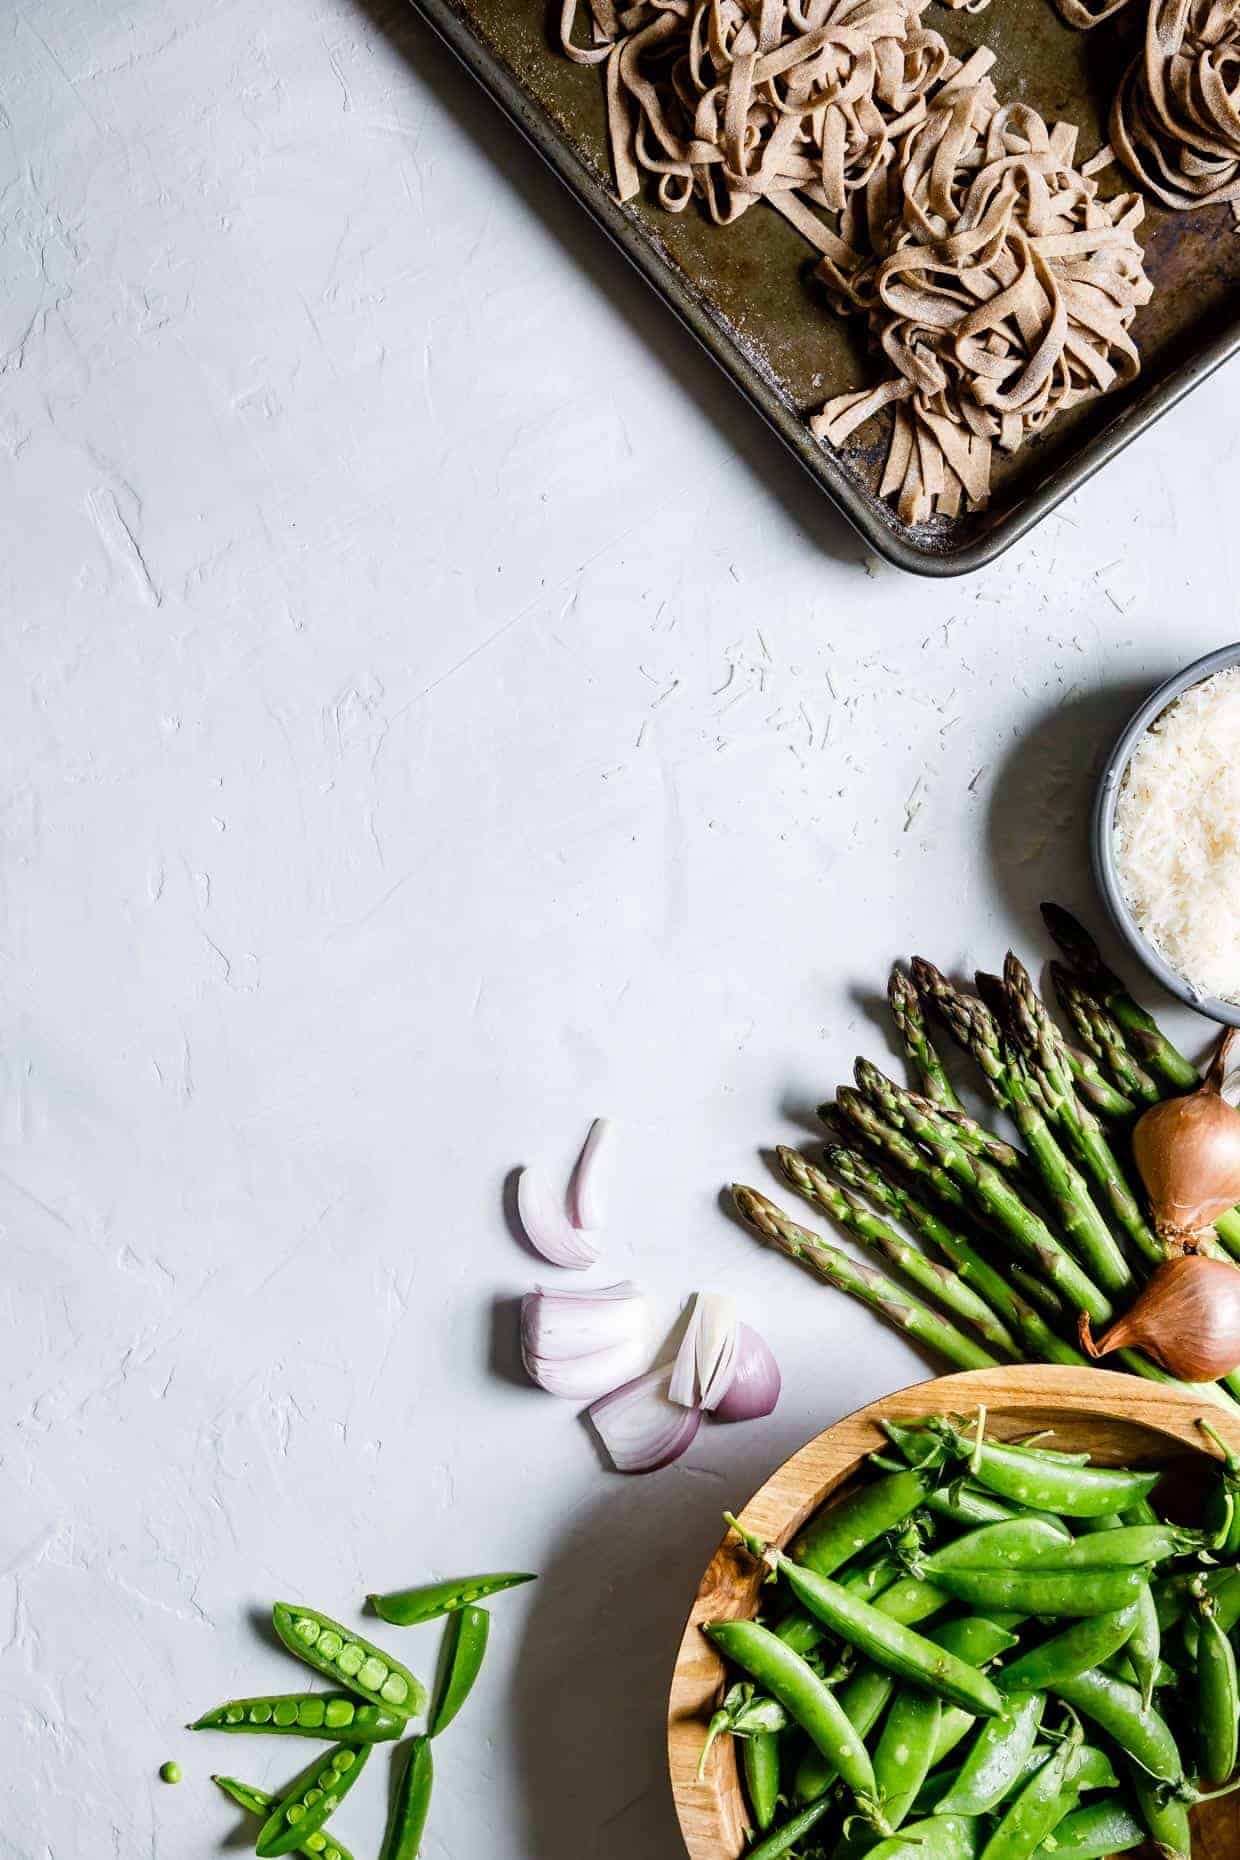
1187, 1152
1187, 1318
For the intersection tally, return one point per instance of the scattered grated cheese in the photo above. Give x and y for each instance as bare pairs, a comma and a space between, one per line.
1177, 835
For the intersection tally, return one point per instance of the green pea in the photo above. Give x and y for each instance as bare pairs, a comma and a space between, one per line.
379, 1678
337, 1713
170, 1772
350, 1659
311, 1712
261, 1712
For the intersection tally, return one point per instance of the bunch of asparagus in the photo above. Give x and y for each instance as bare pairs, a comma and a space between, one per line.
1005, 1244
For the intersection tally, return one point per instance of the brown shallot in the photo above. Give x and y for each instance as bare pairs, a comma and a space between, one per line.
1187, 1152
1187, 1318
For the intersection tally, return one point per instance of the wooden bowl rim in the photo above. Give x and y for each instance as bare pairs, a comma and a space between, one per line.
711, 1812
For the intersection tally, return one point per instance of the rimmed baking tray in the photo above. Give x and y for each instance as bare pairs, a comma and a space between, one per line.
746, 294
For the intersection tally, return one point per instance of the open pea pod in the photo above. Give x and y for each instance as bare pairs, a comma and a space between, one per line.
406, 1607
310, 1801
319, 1845
332, 1717
347, 1658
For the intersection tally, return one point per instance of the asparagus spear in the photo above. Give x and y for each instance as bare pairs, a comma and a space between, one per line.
1044, 1050
976, 1137
885, 1140
910, 1021
862, 1280
1141, 1030
978, 1030
1103, 1037
1015, 1312
936, 1280
983, 1182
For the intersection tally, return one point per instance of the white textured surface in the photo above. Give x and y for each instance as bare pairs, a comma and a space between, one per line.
433, 712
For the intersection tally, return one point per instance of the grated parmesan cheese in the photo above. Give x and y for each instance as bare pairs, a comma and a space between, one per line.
1177, 835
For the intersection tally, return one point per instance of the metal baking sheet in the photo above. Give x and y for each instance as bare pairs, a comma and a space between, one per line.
744, 290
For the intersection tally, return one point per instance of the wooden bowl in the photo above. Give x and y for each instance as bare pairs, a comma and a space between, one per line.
1119, 1420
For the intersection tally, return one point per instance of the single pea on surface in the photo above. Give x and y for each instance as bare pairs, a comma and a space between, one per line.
170, 1772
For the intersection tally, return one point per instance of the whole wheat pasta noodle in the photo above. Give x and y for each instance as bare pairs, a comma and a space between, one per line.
999, 286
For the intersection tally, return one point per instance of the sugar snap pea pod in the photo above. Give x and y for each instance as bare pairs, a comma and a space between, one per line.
1165, 1816
332, 1717
806, 1699
1039, 1591
465, 1643
309, 1800
961, 1502
760, 1764
1086, 1644
889, 1643
1048, 1485
862, 1699
972, 1637
1116, 1708
1095, 1832
1130, 1544
407, 1817
791, 1832
260, 1802
1040, 1806
803, 1631
839, 1532
997, 1757
344, 1656
406, 1607
1015, 1540
1145, 1644
904, 1750
1222, 1508
1218, 1696
940, 1837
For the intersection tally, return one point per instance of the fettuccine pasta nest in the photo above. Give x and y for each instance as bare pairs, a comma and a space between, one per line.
1000, 288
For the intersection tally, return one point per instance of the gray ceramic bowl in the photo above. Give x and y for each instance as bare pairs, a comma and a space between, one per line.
1102, 833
